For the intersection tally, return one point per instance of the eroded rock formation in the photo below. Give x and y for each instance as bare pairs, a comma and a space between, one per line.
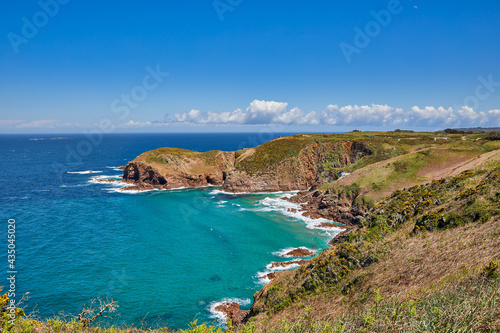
176, 168
232, 312
284, 164
337, 204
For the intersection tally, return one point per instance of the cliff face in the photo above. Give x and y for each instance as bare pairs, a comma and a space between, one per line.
174, 168
340, 204
284, 164
276, 167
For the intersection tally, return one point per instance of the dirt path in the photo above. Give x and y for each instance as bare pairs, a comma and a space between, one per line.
475, 162
436, 170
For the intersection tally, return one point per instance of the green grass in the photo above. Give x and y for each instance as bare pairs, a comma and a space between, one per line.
155, 159
271, 153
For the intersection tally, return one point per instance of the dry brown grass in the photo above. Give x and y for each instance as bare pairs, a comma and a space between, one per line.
413, 266
426, 260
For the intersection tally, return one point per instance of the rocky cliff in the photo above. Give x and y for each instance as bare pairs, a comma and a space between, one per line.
298, 162
176, 168
338, 203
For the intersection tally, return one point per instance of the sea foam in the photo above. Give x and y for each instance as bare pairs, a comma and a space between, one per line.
294, 210
281, 268
96, 179
114, 168
84, 172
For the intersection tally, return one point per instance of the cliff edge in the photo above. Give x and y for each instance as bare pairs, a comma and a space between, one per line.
178, 168
297, 162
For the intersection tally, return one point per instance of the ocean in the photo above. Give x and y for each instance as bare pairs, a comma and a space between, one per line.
166, 257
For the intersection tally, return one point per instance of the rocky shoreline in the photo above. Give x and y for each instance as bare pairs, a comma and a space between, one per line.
342, 209
297, 163
238, 317
262, 169
232, 312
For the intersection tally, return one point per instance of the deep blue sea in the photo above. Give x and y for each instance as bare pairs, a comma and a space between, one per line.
166, 257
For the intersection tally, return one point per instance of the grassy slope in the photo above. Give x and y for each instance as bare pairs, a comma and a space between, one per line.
435, 250
434, 247
176, 159
418, 163
422, 160
385, 146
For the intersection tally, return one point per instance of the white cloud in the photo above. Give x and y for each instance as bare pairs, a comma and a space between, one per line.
264, 112
46, 123
278, 113
463, 117
375, 115
257, 113
131, 124
494, 117
378, 115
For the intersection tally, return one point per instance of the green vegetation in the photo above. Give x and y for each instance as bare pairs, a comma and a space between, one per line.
447, 203
349, 275
274, 152
493, 136
328, 148
425, 258
163, 155
155, 159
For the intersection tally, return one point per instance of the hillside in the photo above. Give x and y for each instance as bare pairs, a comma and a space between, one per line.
421, 251
176, 168
423, 259
305, 161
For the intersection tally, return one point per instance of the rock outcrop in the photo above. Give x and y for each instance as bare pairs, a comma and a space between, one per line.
299, 252
289, 164
339, 204
232, 312
269, 276
286, 264
177, 168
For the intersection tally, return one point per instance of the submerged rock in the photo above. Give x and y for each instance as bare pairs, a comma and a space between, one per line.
288, 263
299, 252
269, 276
108, 180
139, 187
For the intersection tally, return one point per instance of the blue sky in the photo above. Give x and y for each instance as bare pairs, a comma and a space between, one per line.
242, 65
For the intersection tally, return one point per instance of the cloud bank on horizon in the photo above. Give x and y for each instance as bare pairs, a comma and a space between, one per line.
261, 113
270, 112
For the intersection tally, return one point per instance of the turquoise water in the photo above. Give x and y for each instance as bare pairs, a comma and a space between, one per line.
166, 257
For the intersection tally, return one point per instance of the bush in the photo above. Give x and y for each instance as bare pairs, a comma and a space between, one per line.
493, 136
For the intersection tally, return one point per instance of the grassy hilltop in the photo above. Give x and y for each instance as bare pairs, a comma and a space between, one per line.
422, 256
302, 161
